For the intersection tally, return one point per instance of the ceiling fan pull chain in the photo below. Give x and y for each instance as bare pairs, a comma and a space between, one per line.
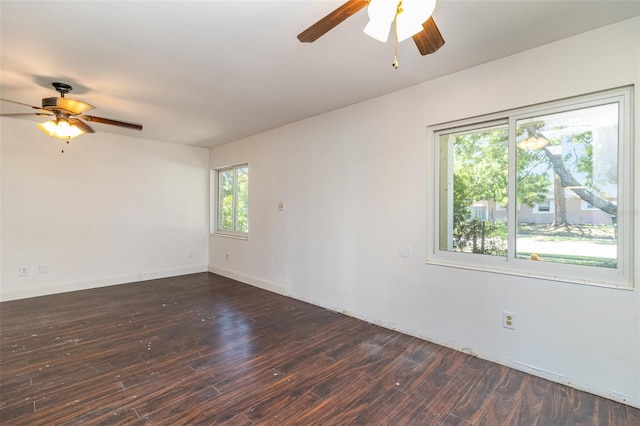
62, 142
395, 35
395, 53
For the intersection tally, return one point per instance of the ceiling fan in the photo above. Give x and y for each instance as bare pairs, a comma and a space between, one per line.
67, 115
410, 18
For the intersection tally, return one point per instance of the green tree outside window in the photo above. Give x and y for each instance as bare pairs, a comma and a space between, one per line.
233, 199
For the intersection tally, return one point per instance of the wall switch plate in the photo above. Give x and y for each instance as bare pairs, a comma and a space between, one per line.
42, 269
509, 320
280, 206
23, 271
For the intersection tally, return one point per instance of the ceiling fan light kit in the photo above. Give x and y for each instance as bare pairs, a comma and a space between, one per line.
60, 128
67, 114
534, 140
381, 15
409, 15
409, 18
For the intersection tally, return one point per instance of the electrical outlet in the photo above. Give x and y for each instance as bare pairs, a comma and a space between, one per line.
228, 256
42, 269
23, 271
509, 320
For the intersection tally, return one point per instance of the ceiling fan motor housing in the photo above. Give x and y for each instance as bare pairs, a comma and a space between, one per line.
65, 106
52, 104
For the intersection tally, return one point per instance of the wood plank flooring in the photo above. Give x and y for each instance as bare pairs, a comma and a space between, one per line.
204, 349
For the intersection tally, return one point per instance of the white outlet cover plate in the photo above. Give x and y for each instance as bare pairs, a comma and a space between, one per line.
509, 320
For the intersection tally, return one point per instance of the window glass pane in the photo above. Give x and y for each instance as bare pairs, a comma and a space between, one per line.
473, 191
567, 161
569, 168
242, 213
225, 202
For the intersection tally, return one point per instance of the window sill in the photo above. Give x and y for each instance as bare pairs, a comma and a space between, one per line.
525, 274
244, 237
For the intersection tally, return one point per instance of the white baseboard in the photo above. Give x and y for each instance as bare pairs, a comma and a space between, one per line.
548, 375
534, 371
43, 289
256, 282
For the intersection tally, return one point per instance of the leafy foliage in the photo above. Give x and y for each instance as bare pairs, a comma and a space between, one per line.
483, 237
533, 177
226, 182
234, 199
480, 173
571, 150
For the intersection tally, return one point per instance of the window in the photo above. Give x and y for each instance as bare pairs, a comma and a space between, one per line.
546, 206
550, 161
232, 206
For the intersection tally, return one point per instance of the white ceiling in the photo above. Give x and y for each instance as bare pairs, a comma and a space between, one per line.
209, 72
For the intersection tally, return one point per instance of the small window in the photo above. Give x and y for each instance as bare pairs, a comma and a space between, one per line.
552, 161
232, 206
545, 206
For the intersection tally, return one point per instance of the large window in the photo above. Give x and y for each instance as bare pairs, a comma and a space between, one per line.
232, 205
549, 161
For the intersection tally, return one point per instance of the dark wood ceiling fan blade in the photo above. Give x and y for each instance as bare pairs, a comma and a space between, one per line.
325, 24
101, 120
429, 39
26, 114
20, 103
81, 124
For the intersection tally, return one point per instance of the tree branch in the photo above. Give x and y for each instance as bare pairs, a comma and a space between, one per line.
568, 181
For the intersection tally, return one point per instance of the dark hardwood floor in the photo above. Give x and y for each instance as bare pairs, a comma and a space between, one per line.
204, 349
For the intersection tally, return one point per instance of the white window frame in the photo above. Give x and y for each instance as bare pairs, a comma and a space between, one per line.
619, 277
215, 202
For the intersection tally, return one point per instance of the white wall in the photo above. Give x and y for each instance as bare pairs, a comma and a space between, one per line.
354, 184
110, 210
